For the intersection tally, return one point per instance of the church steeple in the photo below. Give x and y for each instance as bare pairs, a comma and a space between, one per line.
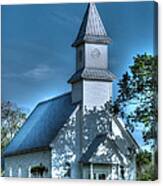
91, 72
92, 29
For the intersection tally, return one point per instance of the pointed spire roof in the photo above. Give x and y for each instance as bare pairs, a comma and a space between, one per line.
92, 29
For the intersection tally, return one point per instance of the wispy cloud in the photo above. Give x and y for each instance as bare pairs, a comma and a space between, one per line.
65, 18
40, 72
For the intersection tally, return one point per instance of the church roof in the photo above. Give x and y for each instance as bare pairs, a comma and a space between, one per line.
118, 147
85, 158
92, 74
92, 29
126, 133
92, 148
42, 125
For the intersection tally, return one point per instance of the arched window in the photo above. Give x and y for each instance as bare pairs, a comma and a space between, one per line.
39, 171
10, 172
102, 176
29, 172
122, 172
19, 172
68, 170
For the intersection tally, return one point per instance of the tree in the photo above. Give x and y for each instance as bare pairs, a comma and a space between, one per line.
137, 99
145, 168
12, 118
138, 96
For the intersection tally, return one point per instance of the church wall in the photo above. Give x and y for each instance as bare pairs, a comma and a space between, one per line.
96, 56
106, 154
96, 93
123, 144
96, 169
65, 150
130, 173
120, 138
93, 125
25, 161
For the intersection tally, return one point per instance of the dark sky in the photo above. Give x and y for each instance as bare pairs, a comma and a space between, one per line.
37, 57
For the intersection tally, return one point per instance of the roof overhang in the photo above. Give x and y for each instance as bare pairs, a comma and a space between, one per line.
92, 74
26, 151
127, 133
92, 40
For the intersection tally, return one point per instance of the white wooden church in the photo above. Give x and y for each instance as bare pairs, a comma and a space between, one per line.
74, 135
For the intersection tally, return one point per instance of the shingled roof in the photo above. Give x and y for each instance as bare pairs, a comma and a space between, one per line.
42, 125
92, 74
92, 148
92, 28
85, 158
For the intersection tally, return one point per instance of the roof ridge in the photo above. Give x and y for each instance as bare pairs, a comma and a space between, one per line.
54, 98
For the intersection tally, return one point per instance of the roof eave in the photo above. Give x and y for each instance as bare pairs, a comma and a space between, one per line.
25, 151
92, 79
132, 139
92, 40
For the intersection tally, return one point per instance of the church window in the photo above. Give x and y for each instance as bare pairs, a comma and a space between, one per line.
102, 177
122, 172
29, 172
10, 172
19, 172
39, 170
68, 170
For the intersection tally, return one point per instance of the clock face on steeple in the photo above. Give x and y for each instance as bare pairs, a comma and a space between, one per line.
95, 53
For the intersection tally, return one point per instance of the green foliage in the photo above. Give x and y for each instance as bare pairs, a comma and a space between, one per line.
138, 93
12, 118
143, 158
145, 167
147, 175
137, 103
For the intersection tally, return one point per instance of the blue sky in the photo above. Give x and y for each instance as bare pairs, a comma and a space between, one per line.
37, 57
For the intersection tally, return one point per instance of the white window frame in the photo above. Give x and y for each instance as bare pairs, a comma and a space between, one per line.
10, 172
98, 173
19, 171
29, 172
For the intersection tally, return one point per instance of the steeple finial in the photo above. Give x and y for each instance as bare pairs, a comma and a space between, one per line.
92, 29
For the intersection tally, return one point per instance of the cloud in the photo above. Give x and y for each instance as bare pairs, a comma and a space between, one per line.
40, 72
65, 18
